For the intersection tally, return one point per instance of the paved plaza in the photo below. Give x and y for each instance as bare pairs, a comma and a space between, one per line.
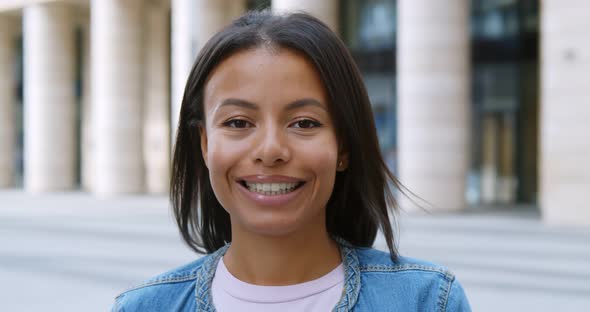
73, 252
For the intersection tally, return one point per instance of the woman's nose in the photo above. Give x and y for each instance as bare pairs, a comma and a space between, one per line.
272, 147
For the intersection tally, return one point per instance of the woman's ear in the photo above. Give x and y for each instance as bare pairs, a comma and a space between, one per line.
342, 162
203, 135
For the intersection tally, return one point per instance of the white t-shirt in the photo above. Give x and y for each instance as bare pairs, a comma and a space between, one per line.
231, 294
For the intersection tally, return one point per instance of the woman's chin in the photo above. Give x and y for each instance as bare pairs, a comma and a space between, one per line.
271, 227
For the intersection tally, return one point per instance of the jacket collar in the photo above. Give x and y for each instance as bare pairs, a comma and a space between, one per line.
352, 279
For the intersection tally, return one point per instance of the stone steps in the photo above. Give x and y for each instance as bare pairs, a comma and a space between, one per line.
502, 252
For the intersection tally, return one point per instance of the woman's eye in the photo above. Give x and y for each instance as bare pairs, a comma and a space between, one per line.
306, 124
237, 123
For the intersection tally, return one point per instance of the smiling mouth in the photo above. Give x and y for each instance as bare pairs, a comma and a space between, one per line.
270, 189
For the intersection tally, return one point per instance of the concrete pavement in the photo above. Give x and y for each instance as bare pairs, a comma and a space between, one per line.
73, 252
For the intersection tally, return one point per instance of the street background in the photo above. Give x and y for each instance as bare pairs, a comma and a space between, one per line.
482, 108
72, 252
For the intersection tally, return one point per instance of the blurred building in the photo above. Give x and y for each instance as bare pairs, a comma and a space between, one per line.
476, 102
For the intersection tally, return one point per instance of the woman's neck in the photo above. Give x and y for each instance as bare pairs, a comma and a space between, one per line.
285, 260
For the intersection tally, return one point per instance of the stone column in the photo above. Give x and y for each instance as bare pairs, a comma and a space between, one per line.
117, 88
87, 128
183, 54
433, 100
7, 100
326, 10
193, 24
156, 135
565, 112
213, 16
49, 99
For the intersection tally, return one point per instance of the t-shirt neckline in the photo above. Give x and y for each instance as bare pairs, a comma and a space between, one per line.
274, 294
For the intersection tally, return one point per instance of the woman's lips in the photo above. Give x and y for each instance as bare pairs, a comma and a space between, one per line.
270, 179
266, 199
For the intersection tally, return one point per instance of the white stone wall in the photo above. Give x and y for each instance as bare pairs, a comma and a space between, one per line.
126, 123
117, 96
193, 24
565, 112
433, 101
183, 54
156, 136
213, 15
49, 105
87, 136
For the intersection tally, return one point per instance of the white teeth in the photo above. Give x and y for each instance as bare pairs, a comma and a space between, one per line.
271, 188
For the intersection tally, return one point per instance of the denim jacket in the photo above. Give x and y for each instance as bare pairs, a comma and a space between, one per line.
373, 282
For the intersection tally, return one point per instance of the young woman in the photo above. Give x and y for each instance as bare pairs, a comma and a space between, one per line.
278, 178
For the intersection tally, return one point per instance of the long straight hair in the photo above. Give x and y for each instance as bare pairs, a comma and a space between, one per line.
361, 202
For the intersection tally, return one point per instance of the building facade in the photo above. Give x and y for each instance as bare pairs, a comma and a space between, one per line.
477, 103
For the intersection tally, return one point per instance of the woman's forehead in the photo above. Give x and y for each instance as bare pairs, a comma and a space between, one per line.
262, 74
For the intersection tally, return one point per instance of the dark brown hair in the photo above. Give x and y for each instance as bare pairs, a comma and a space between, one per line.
362, 201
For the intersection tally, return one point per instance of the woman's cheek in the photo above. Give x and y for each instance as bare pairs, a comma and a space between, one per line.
222, 149
321, 152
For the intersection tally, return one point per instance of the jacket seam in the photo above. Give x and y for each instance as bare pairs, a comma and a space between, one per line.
118, 307
445, 293
444, 288
204, 278
170, 280
412, 267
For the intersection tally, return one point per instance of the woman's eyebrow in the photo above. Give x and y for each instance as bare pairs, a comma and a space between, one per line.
239, 103
304, 102
291, 106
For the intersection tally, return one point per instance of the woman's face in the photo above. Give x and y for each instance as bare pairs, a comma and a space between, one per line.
269, 142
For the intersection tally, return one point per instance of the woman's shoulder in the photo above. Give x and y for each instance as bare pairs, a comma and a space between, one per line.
399, 282
371, 259
165, 289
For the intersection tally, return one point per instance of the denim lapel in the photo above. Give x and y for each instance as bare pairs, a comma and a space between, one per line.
352, 279
205, 274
